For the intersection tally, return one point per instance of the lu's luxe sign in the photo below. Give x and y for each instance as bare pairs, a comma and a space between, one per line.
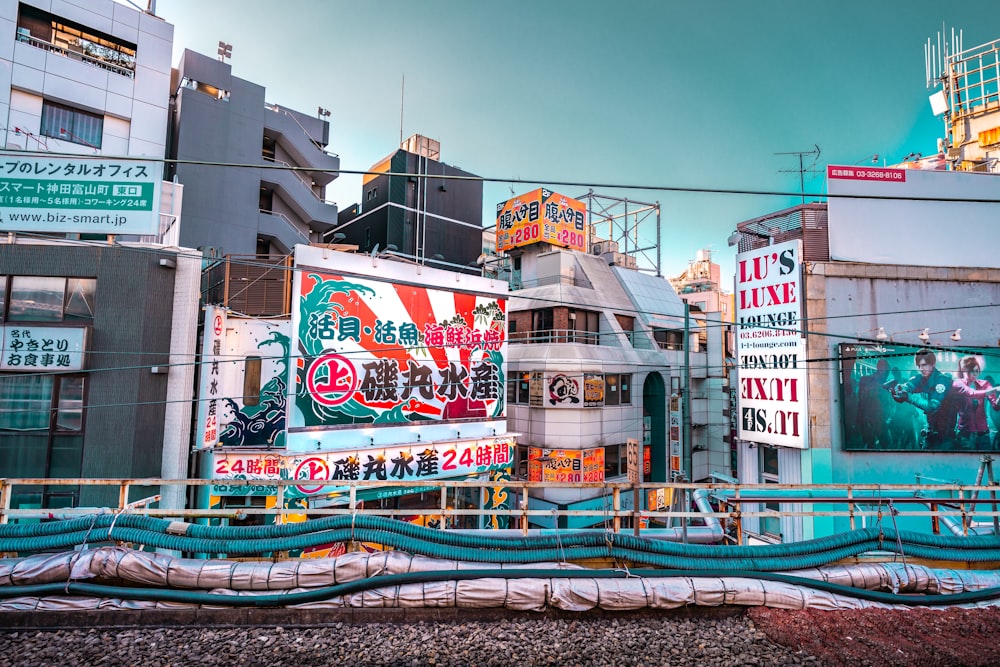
771, 351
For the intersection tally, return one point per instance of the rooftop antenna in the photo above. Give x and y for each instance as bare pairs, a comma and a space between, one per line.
225, 51
802, 168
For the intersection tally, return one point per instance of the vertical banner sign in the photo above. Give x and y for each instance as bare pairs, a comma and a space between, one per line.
210, 385
770, 347
632, 460
675, 433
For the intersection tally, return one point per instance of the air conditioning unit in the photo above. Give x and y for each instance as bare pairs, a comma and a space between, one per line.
621, 259
601, 247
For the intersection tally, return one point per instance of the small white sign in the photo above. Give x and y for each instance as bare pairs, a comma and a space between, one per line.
34, 348
632, 455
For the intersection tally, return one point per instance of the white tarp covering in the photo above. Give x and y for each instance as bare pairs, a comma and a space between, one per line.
536, 594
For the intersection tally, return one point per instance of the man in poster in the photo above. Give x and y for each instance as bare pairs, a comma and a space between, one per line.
930, 390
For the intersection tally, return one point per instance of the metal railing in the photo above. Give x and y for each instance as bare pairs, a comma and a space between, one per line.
961, 506
278, 109
76, 55
298, 174
555, 336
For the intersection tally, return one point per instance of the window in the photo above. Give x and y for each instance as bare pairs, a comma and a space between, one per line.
251, 380
74, 125
769, 475
518, 388
74, 40
615, 461
541, 326
223, 96
618, 389
669, 339
41, 434
612, 395
584, 326
47, 299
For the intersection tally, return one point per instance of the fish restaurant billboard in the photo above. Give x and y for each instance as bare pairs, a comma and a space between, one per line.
382, 351
771, 351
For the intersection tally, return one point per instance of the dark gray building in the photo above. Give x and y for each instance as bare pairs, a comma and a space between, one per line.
263, 209
109, 400
421, 214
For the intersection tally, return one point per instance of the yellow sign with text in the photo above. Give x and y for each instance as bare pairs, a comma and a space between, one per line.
541, 216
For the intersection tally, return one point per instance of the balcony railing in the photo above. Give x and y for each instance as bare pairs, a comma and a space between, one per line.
70, 52
556, 336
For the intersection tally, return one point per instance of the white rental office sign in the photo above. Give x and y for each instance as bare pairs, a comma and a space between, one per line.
40, 192
770, 347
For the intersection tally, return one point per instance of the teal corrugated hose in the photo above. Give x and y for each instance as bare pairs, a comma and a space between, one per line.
484, 547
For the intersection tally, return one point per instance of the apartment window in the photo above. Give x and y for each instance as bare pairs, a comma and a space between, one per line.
213, 92
584, 326
74, 125
541, 326
48, 299
669, 339
52, 33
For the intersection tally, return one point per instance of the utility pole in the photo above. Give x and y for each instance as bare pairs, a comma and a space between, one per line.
686, 464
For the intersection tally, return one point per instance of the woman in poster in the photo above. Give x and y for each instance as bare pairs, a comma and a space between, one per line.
972, 394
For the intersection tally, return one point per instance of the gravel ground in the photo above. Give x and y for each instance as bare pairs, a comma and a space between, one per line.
757, 636
651, 640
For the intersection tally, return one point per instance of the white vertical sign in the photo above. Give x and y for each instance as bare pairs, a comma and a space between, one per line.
210, 385
770, 347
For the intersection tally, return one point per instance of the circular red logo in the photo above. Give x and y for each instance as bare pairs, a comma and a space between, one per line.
218, 325
312, 469
331, 379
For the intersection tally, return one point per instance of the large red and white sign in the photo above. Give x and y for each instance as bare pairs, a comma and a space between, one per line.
328, 472
770, 347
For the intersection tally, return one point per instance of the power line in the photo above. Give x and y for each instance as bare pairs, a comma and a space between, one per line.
507, 179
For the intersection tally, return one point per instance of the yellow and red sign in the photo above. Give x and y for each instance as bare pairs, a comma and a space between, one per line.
541, 216
565, 465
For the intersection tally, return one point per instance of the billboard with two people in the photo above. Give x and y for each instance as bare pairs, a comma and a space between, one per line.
905, 398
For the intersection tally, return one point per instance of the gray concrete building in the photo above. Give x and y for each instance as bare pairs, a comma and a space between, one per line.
264, 208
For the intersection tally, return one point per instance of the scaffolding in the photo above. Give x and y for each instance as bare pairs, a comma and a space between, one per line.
633, 225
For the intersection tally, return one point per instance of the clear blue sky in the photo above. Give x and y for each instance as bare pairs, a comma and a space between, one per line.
656, 93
